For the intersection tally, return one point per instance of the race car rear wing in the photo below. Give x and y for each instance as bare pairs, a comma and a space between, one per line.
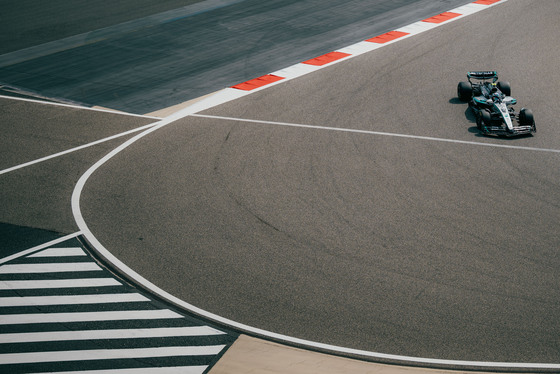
483, 75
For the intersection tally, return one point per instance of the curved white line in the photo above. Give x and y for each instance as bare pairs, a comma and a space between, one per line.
224, 96
245, 328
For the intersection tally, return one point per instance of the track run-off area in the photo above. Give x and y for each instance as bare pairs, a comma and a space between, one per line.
354, 208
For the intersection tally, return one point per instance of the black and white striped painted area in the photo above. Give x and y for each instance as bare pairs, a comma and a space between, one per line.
61, 311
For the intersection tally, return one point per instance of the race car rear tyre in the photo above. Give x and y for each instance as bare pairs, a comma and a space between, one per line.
505, 87
464, 91
526, 117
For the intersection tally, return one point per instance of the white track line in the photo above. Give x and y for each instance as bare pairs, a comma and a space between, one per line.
124, 315
367, 132
47, 284
40, 247
60, 252
164, 332
221, 97
77, 107
46, 158
108, 354
72, 299
49, 268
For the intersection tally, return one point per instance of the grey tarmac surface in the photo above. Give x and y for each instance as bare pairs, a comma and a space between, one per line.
395, 245
27, 23
166, 61
38, 196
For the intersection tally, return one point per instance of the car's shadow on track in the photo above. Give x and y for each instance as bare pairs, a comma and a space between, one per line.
469, 115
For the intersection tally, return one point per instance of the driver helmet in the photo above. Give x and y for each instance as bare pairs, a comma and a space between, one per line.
496, 97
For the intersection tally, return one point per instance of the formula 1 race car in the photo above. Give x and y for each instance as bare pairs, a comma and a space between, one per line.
491, 103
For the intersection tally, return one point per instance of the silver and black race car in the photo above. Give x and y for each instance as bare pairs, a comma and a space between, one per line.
491, 103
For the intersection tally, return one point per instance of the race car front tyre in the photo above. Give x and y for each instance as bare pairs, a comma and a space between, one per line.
505, 87
484, 118
464, 91
526, 117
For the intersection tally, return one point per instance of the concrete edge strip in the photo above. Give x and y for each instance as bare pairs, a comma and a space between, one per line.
230, 94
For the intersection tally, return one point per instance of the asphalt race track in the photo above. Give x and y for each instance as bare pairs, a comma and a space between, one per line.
356, 206
140, 63
390, 244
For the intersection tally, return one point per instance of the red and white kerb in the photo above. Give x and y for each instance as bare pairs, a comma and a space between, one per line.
327, 59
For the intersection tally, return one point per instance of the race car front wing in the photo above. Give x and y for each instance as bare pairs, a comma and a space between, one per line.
503, 131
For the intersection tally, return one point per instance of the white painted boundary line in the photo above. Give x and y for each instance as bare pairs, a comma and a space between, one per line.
368, 132
49, 268
46, 158
77, 107
124, 315
60, 252
108, 354
40, 247
72, 299
45, 284
220, 98
58, 336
